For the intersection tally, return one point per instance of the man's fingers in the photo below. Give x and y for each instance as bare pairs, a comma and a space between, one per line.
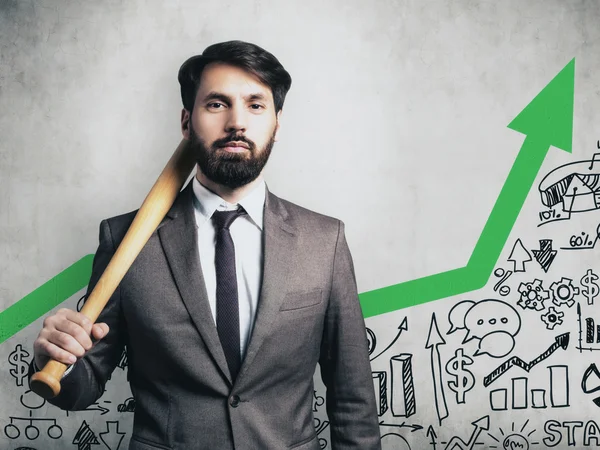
70, 337
77, 318
66, 336
48, 351
99, 330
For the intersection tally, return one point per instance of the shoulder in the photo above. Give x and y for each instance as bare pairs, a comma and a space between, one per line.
307, 220
115, 227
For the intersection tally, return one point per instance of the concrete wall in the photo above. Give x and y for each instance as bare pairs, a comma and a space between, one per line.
396, 123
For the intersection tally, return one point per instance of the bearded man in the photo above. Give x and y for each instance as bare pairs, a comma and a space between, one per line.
236, 297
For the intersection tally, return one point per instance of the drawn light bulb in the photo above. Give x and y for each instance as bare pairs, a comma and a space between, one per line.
515, 442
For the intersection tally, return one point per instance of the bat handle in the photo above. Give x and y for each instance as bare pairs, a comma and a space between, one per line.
46, 382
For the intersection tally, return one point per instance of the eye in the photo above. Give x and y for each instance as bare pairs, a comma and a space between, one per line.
480, 322
215, 105
256, 104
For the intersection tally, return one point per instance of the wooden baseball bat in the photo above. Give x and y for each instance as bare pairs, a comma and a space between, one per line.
46, 383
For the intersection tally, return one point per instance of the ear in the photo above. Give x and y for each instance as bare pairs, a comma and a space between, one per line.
185, 123
278, 118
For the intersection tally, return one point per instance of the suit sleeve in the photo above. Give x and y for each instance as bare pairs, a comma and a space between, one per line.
86, 381
344, 361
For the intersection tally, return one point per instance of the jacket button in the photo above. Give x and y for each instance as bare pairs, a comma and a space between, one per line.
234, 401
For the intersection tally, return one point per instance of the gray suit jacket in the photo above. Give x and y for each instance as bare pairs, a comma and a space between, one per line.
308, 313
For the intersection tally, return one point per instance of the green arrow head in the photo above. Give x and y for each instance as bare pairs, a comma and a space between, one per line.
549, 116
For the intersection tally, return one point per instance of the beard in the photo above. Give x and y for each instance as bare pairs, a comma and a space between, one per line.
230, 169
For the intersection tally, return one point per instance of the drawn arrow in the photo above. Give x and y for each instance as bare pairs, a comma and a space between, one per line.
434, 340
546, 121
431, 434
519, 256
97, 407
403, 327
413, 428
561, 341
480, 425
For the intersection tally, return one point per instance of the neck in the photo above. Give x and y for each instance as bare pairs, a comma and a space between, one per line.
226, 193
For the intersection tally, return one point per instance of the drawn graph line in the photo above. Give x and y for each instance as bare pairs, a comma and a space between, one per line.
402, 327
546, 121
561, 341
456, 443
50, 294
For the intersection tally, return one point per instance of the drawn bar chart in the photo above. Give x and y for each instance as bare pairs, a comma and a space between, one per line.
592, 331
380, 387
591, 334
403, 390
521, 397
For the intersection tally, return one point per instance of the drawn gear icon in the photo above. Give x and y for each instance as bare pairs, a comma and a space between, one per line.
564, 292
533, 295
552, 317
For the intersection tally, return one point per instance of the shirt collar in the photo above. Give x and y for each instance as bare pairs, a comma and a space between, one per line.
206, 202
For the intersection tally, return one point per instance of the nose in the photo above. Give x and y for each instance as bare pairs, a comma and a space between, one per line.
236, 120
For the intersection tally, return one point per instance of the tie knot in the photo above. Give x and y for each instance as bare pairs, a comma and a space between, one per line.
223, 219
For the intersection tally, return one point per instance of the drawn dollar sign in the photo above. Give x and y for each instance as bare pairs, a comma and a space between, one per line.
590, 288
20, 366
465, 381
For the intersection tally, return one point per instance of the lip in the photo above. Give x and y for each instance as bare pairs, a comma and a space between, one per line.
235, 147
236, 144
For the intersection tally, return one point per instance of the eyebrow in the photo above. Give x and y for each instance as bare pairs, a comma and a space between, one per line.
214, 95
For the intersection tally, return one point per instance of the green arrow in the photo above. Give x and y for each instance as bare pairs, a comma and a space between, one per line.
50, 294
546, 121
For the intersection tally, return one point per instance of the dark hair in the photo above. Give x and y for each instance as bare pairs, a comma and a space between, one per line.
242, 54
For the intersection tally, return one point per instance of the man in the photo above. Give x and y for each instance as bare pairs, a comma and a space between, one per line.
234, 299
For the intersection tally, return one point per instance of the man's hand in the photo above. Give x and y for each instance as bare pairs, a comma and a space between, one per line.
65, 337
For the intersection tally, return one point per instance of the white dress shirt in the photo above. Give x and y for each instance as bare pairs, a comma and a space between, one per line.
247, 236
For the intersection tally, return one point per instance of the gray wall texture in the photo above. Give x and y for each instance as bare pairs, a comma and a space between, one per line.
395, 123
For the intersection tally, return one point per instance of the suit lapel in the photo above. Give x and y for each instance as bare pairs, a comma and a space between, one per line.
179, 238
280, 243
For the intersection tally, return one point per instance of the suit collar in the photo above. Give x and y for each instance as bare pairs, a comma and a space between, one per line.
207, 202
178, 236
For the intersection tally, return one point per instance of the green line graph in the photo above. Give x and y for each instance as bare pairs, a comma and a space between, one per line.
546, 121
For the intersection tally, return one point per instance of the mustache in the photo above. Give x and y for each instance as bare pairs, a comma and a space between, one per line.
230, 138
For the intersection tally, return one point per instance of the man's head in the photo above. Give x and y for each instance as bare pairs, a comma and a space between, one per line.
232, 93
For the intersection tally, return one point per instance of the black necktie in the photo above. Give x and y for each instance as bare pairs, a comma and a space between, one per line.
228, 317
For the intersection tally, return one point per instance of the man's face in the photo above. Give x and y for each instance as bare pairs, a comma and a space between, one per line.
233, 125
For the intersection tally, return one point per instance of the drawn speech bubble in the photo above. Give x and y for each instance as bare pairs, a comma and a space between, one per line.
457, 315
497, 344
488, 316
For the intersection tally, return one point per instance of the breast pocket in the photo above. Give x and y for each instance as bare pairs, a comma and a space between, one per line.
302, 299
